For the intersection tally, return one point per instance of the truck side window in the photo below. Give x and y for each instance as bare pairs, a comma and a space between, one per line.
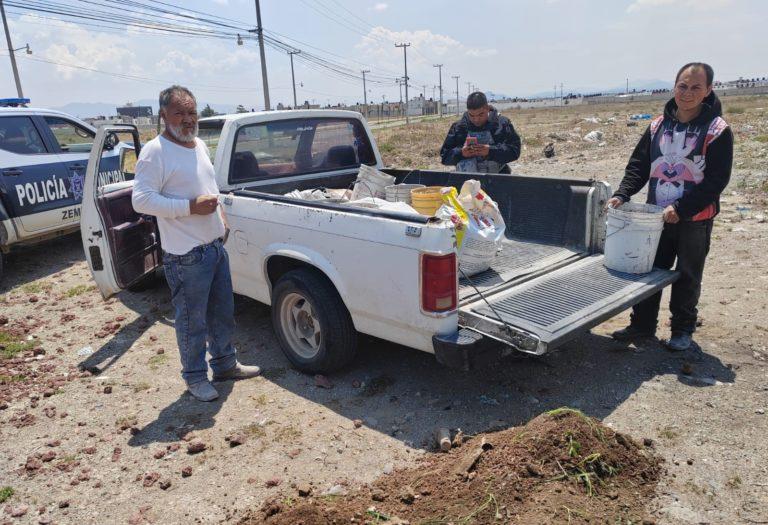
71, 137
19, 135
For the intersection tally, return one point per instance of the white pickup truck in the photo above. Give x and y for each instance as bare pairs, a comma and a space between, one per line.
331, 271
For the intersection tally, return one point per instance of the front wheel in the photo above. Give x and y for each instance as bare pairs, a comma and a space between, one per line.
312, 324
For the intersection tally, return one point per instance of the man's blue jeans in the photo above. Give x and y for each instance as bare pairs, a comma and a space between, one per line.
201, 293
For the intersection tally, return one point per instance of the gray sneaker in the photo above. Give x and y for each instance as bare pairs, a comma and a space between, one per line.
238, 372
203, 391
680, 342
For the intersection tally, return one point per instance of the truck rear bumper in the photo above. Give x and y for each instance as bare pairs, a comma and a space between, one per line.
466, 349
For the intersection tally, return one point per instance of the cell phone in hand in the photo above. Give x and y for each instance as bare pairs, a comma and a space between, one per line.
471, 142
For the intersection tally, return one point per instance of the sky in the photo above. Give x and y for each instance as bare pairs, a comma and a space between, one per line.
515, 47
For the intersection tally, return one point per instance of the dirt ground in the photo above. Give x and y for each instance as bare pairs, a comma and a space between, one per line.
95, 426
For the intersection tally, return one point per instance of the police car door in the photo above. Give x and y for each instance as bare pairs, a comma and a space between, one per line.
121, 246
33, 181
74, 143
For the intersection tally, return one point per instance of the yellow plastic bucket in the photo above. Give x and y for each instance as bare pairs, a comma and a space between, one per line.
427, 200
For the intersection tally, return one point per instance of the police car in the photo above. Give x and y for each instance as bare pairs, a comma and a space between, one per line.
43, 156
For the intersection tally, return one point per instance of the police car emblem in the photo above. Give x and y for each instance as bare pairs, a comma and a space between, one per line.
76, 184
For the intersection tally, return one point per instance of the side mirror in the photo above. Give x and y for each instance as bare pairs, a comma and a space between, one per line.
111, 141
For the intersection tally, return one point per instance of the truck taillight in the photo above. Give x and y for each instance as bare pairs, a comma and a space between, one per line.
438, 283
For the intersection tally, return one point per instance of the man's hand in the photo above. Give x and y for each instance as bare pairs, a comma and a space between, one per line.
614, 202
670, 215
203, 205
481, 150
468, 151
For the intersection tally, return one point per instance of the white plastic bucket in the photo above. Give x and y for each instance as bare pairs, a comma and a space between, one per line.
401, 192
632, 237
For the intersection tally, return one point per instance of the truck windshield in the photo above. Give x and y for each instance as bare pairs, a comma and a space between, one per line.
285, 148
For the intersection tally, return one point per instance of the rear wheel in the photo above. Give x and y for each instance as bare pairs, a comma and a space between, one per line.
312, 324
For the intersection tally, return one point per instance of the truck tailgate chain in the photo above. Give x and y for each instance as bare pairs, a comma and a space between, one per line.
482, 296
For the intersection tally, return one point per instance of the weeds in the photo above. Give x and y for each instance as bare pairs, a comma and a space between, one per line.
5, 494
261, 400
10, 345
735, 110
287, 433
156, 361
762, 138
469, 518
36, 287
734, 482
574, 447
141, 386
254, 430
386, 147
563, 411
16, 378
79, 290
668, 432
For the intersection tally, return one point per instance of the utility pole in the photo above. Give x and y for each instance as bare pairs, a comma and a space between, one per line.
457, 93
260, 33
293, 78
365, 93
440, 77
627, 86
10, 52
554, 96
405, 47
469, 88
561, 92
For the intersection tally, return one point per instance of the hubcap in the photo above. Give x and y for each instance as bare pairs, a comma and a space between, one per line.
300, 325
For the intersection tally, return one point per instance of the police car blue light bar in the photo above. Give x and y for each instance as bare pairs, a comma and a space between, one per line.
13, 102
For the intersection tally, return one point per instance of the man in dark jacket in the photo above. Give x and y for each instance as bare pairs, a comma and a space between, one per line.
685, 156
482, 141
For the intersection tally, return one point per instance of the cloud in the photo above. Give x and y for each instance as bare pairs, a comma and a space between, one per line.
378, 46
70, 43
381, 6
221, 2
698, 5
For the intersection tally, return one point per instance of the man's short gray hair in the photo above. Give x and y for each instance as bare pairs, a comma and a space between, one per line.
175, 90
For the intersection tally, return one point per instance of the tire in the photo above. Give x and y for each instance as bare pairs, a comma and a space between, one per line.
313, 327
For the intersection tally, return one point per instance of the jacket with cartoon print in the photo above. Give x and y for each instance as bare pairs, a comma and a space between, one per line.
686, 165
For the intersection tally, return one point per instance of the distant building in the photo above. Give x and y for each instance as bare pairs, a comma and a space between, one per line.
135, 111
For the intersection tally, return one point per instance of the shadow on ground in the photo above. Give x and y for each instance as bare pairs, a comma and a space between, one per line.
29, 263
407, 394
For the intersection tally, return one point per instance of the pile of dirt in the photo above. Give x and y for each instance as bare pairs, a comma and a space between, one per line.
561, 467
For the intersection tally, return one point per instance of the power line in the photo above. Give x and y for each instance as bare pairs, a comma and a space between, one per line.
127, 76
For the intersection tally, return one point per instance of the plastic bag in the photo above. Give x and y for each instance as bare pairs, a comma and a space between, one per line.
371, 183
479, 225
379, 204
307, 195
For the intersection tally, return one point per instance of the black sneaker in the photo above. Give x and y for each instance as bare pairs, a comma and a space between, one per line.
680, 342
633, 332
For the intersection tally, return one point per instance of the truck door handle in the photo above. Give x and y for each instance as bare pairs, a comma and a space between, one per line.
75, 167
13, 172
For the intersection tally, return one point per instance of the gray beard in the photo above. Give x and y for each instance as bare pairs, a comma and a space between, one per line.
176, 133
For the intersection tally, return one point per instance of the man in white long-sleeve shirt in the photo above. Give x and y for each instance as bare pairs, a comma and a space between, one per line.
175, 182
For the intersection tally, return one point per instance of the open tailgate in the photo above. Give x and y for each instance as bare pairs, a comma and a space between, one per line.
542, 313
